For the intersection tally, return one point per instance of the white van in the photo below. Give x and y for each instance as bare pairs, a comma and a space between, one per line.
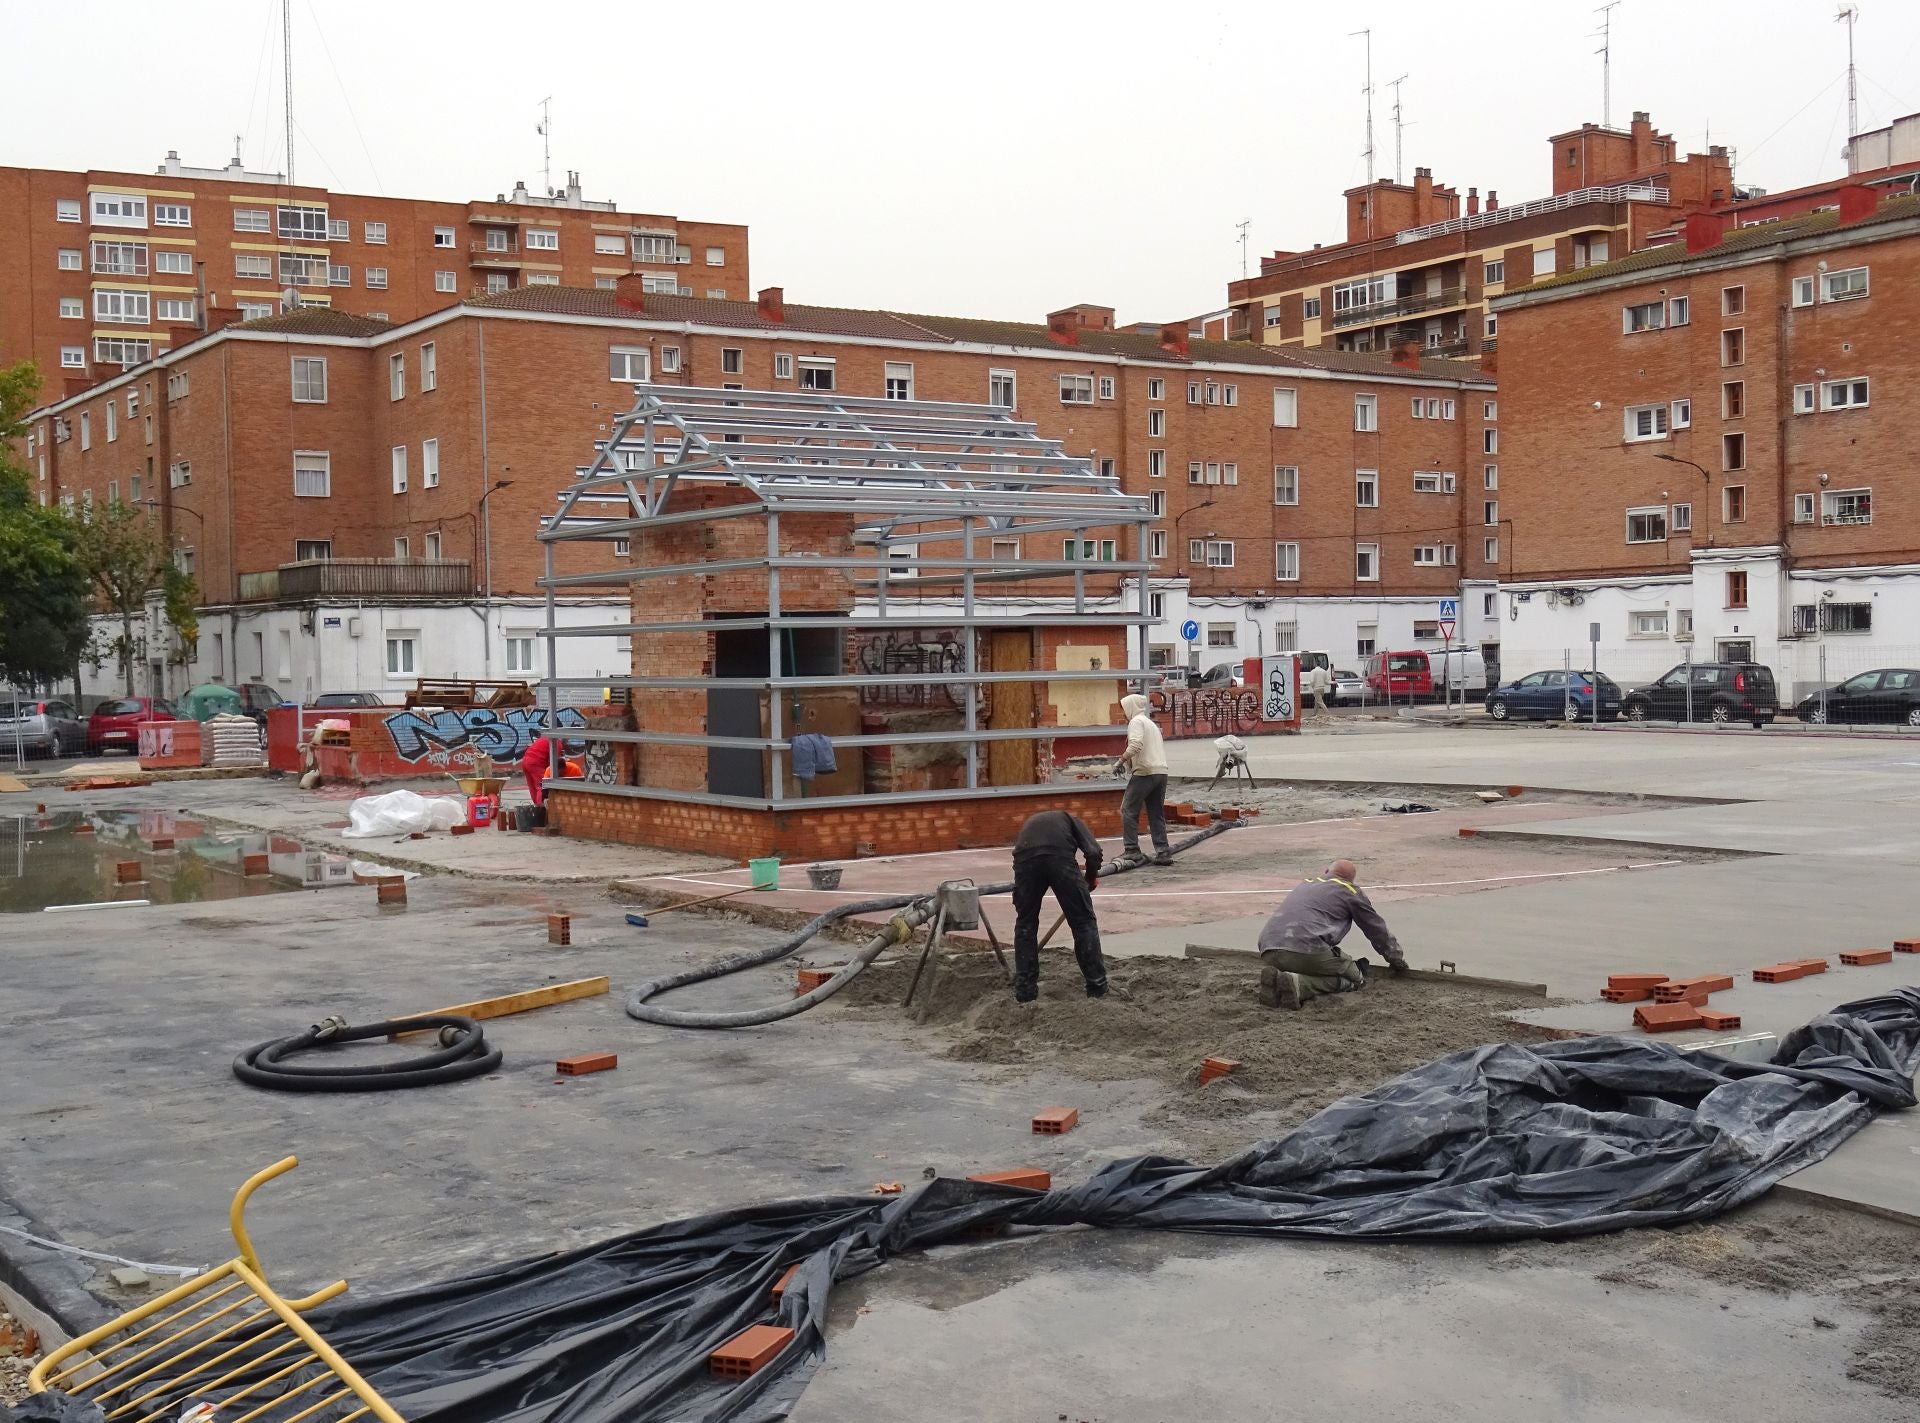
1308, 660
1458, 670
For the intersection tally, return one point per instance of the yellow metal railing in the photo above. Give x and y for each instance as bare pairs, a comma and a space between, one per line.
225, 1339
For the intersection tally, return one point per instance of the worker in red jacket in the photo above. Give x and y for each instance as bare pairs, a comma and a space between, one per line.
533, 765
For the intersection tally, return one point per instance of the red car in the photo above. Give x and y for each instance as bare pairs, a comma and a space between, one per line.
117, 724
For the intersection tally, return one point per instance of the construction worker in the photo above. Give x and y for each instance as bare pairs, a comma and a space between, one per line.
1145, 762
1301, 942
1043, 860
533, 765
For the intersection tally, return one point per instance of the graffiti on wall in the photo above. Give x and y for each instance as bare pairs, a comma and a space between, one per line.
912, 652
1183, 712
438, 738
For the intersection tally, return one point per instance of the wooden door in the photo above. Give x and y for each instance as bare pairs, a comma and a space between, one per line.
1011, 704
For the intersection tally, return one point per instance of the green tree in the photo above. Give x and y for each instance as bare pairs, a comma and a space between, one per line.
43, 590
124, 558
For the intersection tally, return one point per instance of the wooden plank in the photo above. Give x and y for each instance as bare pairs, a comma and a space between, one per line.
508, 1003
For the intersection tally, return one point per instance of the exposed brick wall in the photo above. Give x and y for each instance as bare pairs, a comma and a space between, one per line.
825, 833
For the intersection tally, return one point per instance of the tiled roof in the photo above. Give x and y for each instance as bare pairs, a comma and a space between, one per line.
907, 326
1765, 234
318, 321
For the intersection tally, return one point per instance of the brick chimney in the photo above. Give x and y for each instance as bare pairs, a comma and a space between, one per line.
1493, 201
221, 317
1063, 327
1407, 354
1473, 202
1173, 337
178, 336
772, 304
1490, 362
630, 291
1704, 230
1856, 202
77, 385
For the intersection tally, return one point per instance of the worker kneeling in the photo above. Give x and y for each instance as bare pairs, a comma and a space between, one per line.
1043, 860
1301, 942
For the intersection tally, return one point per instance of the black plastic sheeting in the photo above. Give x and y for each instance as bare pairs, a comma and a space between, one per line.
1501, 1142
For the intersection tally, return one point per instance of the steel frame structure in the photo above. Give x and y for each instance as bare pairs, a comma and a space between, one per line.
907, 474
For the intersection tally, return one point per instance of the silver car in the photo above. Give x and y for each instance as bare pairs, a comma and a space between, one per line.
50, 728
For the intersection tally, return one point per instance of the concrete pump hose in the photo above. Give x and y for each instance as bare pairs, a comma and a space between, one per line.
919, 909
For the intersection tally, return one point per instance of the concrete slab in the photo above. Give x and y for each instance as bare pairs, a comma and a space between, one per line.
1853, 827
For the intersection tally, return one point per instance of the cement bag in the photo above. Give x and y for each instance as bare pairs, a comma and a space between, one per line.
402, 813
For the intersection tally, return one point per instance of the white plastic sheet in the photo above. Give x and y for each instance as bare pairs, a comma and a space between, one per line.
402, 813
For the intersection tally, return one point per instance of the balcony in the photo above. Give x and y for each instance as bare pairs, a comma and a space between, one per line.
481, 254
1399, 306
1447, 349
360, 578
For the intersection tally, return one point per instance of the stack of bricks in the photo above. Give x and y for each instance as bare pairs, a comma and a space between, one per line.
1678, 1003
1790, 970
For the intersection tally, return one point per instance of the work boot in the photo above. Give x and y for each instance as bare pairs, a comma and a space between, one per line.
1024, 994
1163, 857
1097, 990
1128, 860
1278, 989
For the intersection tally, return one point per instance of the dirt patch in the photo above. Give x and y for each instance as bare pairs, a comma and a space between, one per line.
16, 1362
1782, 1246
1164, 1015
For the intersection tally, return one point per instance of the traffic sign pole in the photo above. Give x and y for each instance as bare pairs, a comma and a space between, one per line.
1449, 615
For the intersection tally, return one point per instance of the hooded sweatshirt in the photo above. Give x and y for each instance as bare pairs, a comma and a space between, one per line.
1146, 753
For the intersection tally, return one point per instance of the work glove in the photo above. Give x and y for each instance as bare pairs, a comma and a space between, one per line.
1399, 969
1093, 881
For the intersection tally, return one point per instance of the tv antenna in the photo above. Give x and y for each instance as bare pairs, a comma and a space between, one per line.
1398, 124
1243, 226
1849, 13
1605, 12
546, 145
286, 55
1367, 89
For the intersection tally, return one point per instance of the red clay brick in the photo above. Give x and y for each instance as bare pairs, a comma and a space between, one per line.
128, 872
808, 979
559, 929
1906, 946
1467, 831
391, 892
160, 842
1626, 995
1719, 1022
1212, 1067
780, 1285
1780, 973
1636, 980
1860, 958
462, 829
581, 1064
253, 865
1056, 1121
1667, 1017
748, 1352
1691, 990
1031, 1177
1515, 790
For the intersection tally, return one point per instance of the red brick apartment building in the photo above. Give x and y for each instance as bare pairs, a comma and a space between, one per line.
1709, 448
104, 263
1308, 498
1418, 265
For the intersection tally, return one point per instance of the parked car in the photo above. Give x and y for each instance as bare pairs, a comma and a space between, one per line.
345, 699
1399, 676
1349, 689
257, 699
1224, 674
1721, 691
116, 725
1550, 694
1884, 694
51, 727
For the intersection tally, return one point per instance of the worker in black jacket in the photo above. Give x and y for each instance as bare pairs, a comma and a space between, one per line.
1043, 859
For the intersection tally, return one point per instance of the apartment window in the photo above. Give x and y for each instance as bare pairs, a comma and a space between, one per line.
1076, 390
1733, 504
1543, 262
683, 255
120, 307
716, 256
176, 385
444, 281
1366, 489
1215, 553
1846, 506
174, 263
430, 547
252, 220
1850, 617
1490, 512
899, 378
545, 239
312, 474
1803, 400
119, 210
1272, 316
401, 646
1427, 556
1733, 399
1193, 392
782, 366
73, 308
399, 469
1156, 388
311, 551
70, 259
1490, 476
120, 351
627, 363
1733, 301
732, 360
1366, 291
1842, 285
1089, 550
300, 270
1647, 624
1733, 451
1487, 608
1682, 522
1803, 291
1106, 387
669, 360
1286, 484
1005, 550
374, 232
179, 474
654, 247
67, 210
430, 464
1648, 316
1157, 544
1286, 407
429, 366
1682, 414
255, 310
1490, 550
1491, 328
1366, 563
1733, 347
113, 422
1197, 472
1229, 394
310, 380
1310, 308
377, 278
338, 230
1366, 639
1106, 469
1679, 311
1433, 481
1366, 412
1490, 410
607, 243
816, 373
1647, 526
301, 224
443, 237
622, 548
1803, 508
1737, 590
1220, 634
1156, 424
1156, 464
256, 267
1843, 394
1493, 271
1645, 422
1286, 562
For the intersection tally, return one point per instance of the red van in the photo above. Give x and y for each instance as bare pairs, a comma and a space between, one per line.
1399, 676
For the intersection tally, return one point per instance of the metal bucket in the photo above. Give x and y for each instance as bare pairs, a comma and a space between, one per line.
824, 876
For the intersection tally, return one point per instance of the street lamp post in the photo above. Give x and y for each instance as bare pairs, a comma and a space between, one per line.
486, 611
1186, 563
1706, 502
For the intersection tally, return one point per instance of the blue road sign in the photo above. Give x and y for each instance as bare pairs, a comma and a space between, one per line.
1189, 629
1450, 607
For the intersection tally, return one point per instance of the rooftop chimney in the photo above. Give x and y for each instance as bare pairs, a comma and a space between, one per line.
1473, 202
772, 305
1406, 353
1857, 202
1173, 337
1064, 327
630, 291
1704, 230
1493, 201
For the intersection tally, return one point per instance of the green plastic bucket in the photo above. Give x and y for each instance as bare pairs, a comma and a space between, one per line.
766, 873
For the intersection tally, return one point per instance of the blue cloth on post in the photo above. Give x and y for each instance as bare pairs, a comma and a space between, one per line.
812, 756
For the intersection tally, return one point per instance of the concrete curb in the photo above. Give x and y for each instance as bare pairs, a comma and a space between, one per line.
1645, 847
57, 780
47, 1283
1280, 783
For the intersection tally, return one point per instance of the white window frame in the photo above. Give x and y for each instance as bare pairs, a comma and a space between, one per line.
175, 261
608, 244
1286, 407
397, 376
73, 308
70, 259
628, 365
1366, 414
1366, 563
1653, 417
253, 267
1493, 271
1366, 489
252, 220
430, 463
403, 649
118, 209
1803, 508
818, 372
1076, 390
1681, 415
999, 381
304, 369
66, 210
1156, 464
1680, 519
317, 466
374, 233
1830, 511
1545, 260
399, 468
1804, 399
542, 239
1156, 424
1286, 485
1647, 623
1680, 311
669, 360
1156, 388
1643, 316
1310, 308
375, 278
1845, 389
1286, 561
1651, 532
444, 237
118, 307
315, 551
445, 282
429, 366
1426, 555
1157, 544
1214, 553
716, 256
1830, 284
1106, 387
1803, 290
897, 378
733, 360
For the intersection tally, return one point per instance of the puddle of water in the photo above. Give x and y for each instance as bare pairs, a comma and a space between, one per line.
51, 860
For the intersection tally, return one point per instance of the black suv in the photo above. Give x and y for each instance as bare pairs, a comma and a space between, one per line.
1720, 691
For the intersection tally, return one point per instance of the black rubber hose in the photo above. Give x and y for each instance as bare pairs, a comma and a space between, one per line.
920, 909
463, 1053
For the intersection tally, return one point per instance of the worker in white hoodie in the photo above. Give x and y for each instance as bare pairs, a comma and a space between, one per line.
1145, 762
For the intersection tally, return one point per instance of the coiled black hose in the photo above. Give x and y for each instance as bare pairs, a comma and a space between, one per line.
463, 1052
919, 909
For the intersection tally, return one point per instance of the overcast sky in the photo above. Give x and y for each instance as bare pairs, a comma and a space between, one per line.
983, 158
